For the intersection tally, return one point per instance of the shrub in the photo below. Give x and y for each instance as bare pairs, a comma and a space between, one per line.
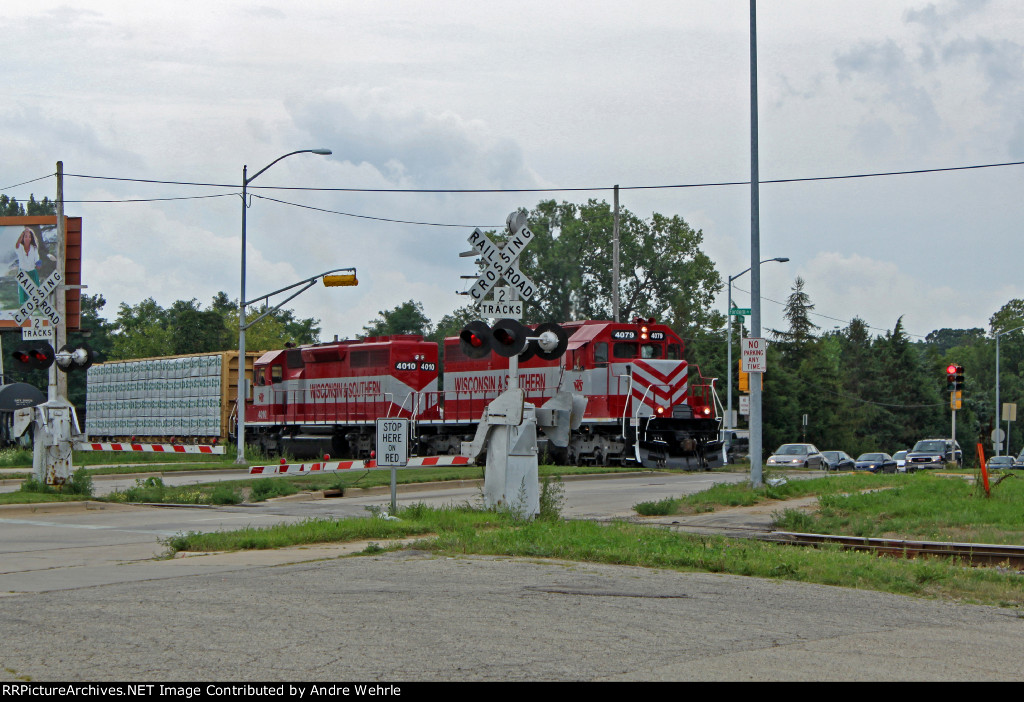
552, 498
225, 495
265, 488
80, 483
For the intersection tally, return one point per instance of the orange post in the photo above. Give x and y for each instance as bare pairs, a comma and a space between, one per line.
984, 470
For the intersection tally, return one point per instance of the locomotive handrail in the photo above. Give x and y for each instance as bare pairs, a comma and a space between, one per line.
402, 406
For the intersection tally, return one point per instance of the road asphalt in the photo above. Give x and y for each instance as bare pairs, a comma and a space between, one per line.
315, 614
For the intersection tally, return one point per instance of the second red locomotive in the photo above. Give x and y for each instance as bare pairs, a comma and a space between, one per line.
645, 403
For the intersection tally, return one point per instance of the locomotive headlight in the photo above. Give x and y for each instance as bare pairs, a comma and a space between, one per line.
660, 410
707, 410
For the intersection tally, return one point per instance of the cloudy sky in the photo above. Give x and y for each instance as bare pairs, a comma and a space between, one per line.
517, 95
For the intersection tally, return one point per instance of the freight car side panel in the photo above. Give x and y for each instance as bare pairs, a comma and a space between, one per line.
185, 397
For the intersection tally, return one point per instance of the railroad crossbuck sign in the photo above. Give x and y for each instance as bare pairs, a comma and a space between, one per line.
501, 262
392, 442
753, 354
39, 307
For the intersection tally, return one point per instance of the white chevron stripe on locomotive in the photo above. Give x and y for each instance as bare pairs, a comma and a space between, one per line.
660, 382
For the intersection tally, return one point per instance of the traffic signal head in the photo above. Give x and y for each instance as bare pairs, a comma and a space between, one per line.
343, 279
37, 356
959, 378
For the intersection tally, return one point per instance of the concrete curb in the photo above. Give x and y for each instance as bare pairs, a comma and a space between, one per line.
64, 507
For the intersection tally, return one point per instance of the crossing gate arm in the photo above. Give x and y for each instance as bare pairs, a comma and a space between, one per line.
332, 466
150, 448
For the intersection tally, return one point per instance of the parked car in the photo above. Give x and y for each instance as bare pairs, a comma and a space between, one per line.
934, 453
797, 455
1000, 463
1019, 463
838, 460
901, 461
738, 441
876, 463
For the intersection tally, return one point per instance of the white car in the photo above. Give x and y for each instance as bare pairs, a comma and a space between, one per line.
797, 456
901, 461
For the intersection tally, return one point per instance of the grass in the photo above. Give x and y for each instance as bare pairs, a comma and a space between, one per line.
927, 507
455, 530
743, 495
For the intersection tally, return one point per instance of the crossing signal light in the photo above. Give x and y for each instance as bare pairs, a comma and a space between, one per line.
69, 359
510, 338
475, 340
39, 356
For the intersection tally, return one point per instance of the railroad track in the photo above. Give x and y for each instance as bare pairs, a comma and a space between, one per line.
975, 554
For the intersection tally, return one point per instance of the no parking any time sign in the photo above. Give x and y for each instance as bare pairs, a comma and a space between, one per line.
753, 355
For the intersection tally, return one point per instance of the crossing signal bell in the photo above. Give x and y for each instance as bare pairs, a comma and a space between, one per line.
35, 357
69, 359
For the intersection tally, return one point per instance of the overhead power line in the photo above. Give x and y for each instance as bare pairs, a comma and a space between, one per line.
877, 174
379, 219
48, 175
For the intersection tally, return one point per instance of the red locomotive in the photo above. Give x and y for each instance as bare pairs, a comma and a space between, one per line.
643, 403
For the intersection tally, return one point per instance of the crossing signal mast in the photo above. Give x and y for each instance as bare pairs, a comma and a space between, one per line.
508, 428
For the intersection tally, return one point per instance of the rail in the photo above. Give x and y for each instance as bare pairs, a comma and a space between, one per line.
975, 554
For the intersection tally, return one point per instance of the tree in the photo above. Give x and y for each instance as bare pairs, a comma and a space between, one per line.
797, 313
407, 318
196, 330
9, 207
278, 328
147, 329
664, 273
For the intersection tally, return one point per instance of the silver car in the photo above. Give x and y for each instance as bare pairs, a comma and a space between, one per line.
797, 456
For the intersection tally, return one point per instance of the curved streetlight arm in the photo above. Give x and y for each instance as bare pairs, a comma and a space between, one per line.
309, 282
321, 152
780, 259
240, 399
728, 362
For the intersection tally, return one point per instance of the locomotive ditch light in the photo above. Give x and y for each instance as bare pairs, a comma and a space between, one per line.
475, 340
37, 357
552, 341
341, 280
509, 337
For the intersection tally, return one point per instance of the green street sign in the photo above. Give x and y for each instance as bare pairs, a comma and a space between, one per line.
740, 311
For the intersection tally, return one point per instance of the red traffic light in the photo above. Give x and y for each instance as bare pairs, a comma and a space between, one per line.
951, 369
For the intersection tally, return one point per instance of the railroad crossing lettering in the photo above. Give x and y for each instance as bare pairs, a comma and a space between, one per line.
502, 305
501, 263
40, 298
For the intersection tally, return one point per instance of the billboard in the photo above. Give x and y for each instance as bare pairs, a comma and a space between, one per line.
28, 252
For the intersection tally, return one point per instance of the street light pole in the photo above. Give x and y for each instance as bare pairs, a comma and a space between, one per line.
728, 394
240, 398
998, 407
